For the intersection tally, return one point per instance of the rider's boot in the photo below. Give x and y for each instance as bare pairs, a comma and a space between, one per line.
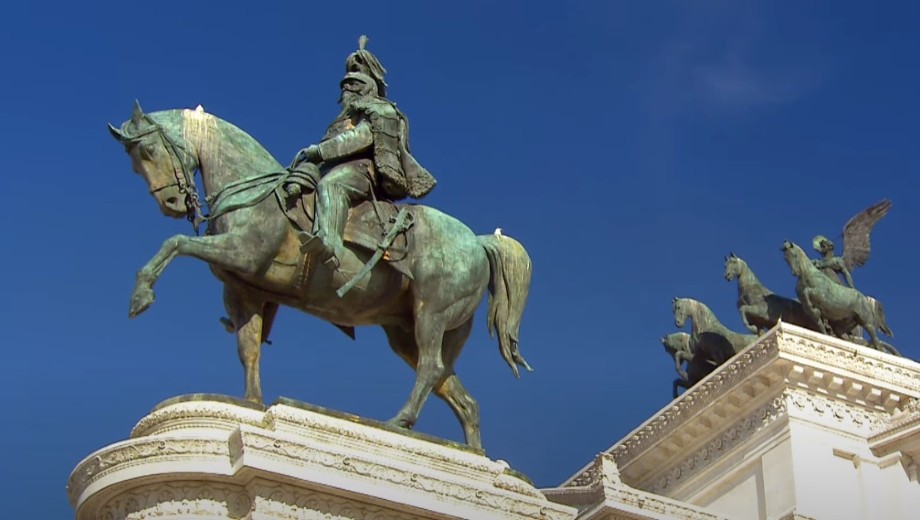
332, 200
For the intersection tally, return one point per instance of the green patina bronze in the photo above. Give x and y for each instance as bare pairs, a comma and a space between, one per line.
837, 309
709, 345
677, 345
856, 250
431, 275
761, 309
856, 244
363, 155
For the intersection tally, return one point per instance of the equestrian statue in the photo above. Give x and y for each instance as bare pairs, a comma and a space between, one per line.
329, 236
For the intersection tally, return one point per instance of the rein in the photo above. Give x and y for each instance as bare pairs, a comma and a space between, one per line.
185, 176
225, 200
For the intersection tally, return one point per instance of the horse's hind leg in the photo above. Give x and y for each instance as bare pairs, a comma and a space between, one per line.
246, 316
429, 369
450, 390
814, 313
866, 320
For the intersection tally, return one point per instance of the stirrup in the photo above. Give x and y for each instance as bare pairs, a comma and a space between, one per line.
313, 245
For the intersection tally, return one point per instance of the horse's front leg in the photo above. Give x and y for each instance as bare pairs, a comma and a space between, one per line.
744, 318
226, 251
246, 314
679, 358
813, 311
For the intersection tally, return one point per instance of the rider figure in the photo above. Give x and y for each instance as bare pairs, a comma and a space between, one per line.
364, 154
830, 264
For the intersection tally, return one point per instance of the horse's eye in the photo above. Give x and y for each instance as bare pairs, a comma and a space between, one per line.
150, 149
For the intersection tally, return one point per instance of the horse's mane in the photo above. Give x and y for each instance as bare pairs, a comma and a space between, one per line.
802, 261
216, 135
698, 305
702, 316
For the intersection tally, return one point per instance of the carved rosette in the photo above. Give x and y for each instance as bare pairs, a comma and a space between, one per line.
218, 459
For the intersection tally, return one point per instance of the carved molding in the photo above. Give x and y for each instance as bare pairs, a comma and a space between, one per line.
529, 502
608, 488
195, 414
889, 379
861, 361
833, 413
282, 417
190, 500
138, 452
900, 433
246, 468
286, 502
175, 500
730, 438
692, 402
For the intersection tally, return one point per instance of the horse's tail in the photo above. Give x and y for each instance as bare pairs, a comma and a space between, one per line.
510, 270
879, 311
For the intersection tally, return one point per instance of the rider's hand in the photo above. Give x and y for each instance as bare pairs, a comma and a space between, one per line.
308, 154
312, 154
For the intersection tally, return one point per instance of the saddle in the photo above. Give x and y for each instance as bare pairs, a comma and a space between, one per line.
378, 227
382, 226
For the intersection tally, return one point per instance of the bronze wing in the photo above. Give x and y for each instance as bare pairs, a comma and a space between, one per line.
856, 245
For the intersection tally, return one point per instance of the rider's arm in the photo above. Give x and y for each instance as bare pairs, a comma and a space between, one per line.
846, 274
350, 142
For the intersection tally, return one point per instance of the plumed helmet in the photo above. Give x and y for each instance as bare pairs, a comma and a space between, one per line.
368, 87
366, 63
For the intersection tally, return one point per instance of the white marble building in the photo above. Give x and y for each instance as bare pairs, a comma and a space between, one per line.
797, 426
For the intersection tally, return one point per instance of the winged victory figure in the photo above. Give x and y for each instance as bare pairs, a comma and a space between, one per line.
856, 244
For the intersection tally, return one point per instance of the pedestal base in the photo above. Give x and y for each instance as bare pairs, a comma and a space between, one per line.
208, 457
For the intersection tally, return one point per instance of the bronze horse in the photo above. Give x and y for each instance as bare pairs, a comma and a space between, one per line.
710, 343
836, 309
423, 295
760, 307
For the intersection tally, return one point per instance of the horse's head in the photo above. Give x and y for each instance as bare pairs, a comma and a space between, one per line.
734, 266
160, 155
681, 311
676, 341
795, 257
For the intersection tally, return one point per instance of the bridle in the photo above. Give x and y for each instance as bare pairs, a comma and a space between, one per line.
185, 175
226, 199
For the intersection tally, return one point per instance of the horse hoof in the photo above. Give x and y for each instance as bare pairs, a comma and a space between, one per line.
141, 300
401, 423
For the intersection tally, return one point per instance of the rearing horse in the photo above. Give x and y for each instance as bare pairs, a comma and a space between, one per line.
760, 307
425, 305
836, 308
708, 337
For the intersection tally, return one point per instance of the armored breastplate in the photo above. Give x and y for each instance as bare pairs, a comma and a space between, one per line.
340, 125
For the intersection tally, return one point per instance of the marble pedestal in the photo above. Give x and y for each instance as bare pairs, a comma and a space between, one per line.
797, 426
211, 457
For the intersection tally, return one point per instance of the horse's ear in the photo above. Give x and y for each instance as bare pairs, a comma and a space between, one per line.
138, 115
733, 254
116, 133
674, 300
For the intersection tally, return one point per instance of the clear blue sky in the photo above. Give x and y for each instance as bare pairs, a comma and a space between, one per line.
628, 146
